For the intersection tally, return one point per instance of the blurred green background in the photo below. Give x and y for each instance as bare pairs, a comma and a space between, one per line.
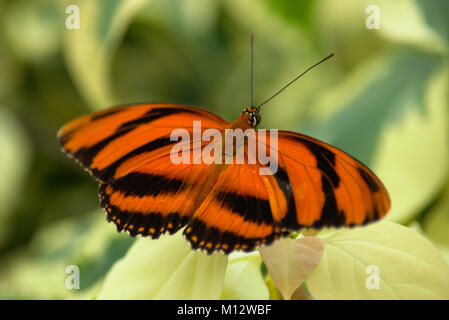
383, 98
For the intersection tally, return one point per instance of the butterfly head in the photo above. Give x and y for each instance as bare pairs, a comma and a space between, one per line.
253, 116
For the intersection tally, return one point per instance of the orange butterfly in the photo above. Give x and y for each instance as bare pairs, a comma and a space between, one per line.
222, 206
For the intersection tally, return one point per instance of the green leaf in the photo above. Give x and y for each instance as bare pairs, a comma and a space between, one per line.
435, 14
33, 29
400, 23
298, 12
165, 269
408, 23
444, 251
89, 50
391, 114
289, 261
413, 154
436, 221
409, 266
39, 270
14, 163
243, 278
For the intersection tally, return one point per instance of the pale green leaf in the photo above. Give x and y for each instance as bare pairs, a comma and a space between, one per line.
243, 278
289, 261
165, 269
436, 220
403, 21
14, 163
89, 49
410, 267
413, 153
391, 114
39, 270
33, 28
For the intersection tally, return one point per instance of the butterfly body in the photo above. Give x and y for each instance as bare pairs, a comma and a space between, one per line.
221, 206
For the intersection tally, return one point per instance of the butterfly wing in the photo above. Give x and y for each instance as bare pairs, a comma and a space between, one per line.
155, 197
128, 149
102, 141
324, 186
314, 185
238, 212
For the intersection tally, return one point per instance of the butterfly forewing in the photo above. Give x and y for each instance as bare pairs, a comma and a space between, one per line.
102, 141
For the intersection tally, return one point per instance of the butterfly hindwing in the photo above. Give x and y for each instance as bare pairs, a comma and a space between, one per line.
150, 201
237, 213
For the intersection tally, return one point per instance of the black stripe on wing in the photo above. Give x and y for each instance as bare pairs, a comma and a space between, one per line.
86, 155
211, 239
152, 224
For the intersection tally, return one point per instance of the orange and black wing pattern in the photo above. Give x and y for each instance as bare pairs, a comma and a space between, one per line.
324, 186
237, 213
223, 207
128, 150
315, 185
102, 141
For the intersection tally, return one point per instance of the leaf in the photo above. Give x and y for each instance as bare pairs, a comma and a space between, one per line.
39, 270
165, 269
89, 50
33, 29
413, 154
405, 22
298, 12
409, 266
88, 242
391, 114
435, 14
436, 221
289, 261
243, 278
14, 164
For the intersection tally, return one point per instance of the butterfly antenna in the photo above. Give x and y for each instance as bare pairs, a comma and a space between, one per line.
252, 70
288, 84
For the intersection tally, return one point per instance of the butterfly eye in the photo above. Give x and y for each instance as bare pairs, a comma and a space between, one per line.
257, 118
254, 119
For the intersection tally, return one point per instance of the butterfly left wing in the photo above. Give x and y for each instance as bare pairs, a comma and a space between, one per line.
102, 141
324, 186
128, 149
154, 196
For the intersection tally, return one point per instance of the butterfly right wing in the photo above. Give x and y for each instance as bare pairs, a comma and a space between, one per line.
324, 186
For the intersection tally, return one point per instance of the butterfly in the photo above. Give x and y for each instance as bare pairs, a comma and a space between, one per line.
221, 206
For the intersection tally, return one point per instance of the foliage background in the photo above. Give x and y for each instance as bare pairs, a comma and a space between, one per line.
383, 98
